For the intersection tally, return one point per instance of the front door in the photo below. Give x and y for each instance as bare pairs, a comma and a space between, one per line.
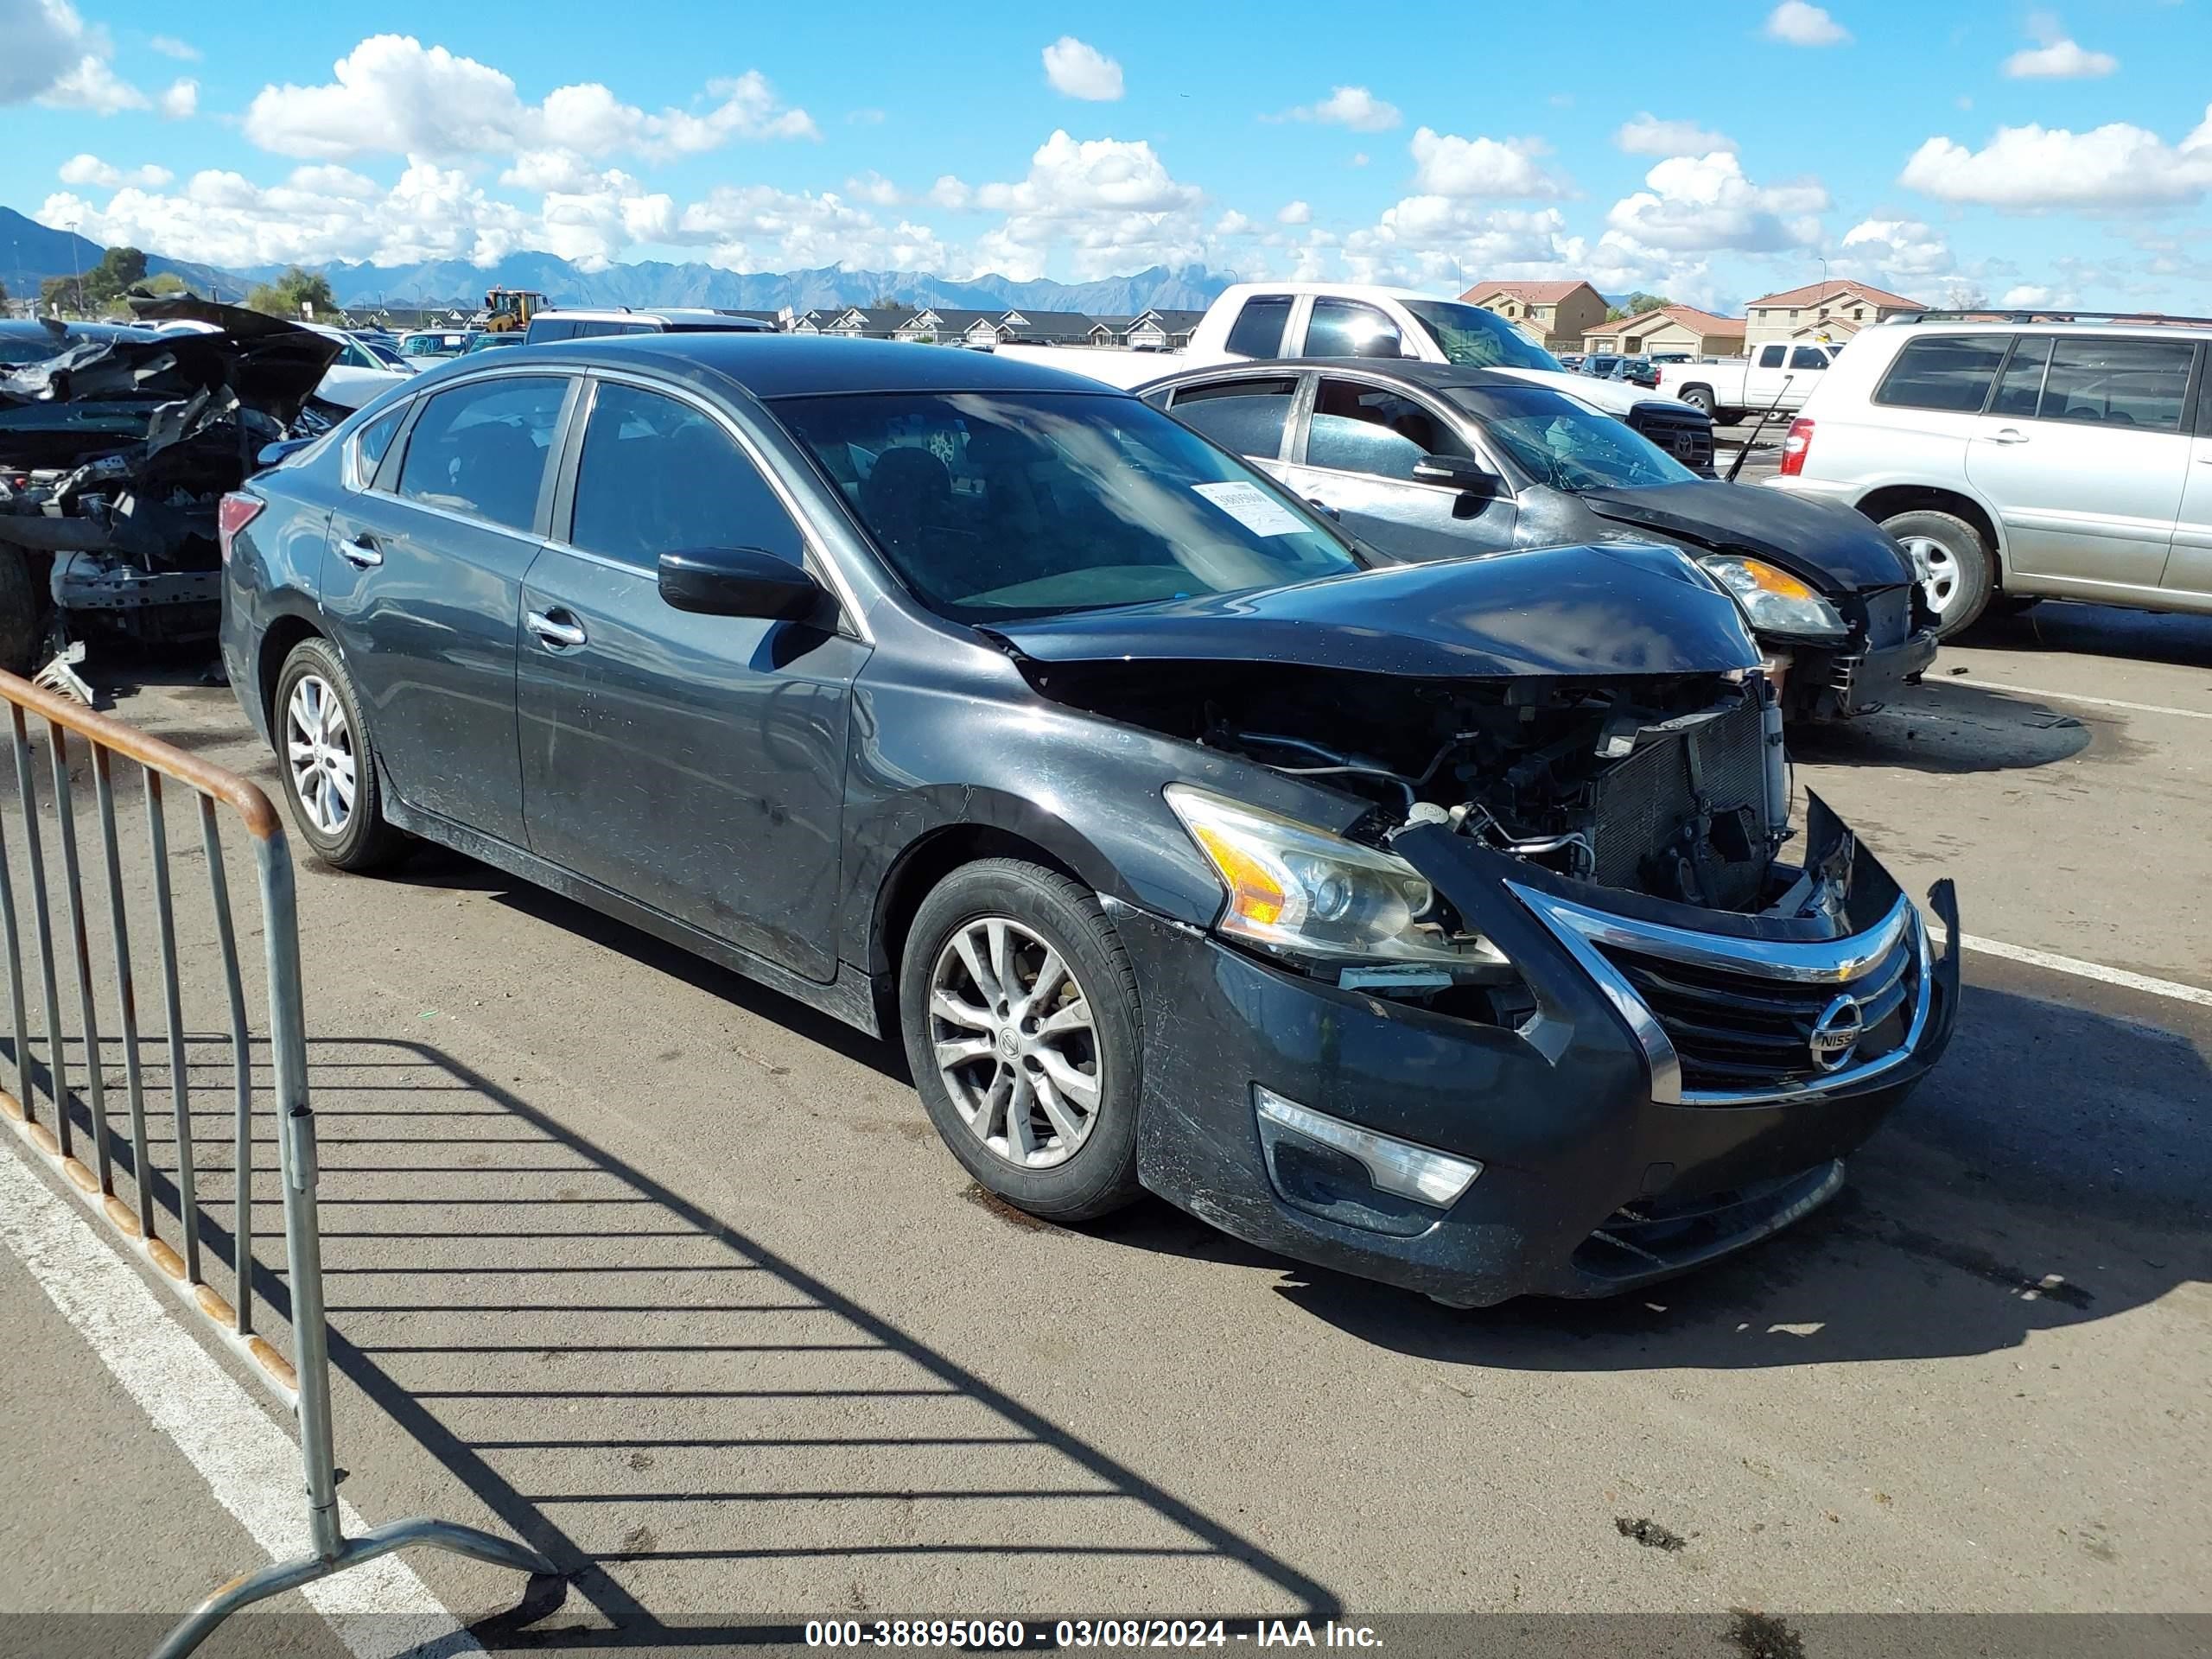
1358, 461
2084, 453
694, 763
422, 585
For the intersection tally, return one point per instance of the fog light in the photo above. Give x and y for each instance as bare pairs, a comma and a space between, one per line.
1393, 1166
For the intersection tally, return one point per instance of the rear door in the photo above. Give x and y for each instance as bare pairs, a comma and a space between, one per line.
1354, 455
2084, 452
422, 585
694, 763
1249, 417
2189, 566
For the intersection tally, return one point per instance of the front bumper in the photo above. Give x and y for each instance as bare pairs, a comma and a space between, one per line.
1601, 1170
1861, 686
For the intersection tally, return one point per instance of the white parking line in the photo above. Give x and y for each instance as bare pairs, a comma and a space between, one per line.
2172, 989
2075, 696
379, 1610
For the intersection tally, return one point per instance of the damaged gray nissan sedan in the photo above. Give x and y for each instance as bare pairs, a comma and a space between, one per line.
1443, 923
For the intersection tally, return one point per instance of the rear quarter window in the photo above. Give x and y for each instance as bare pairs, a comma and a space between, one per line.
1951, 373
1258, 329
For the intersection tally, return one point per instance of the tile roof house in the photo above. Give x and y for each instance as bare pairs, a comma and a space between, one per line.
1045, 328
1831, 311
1555, 315
1669, 329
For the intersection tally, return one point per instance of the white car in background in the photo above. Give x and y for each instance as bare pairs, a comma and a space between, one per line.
2020, 456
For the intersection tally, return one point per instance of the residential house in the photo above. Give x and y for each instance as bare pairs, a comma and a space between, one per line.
869, 321
1669, 329
949, 326
1111, 330
1555, 315
1823, 312
1044, 328
812, 322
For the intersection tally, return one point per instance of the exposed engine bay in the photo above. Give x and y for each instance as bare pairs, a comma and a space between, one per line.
1672, 786
115, 453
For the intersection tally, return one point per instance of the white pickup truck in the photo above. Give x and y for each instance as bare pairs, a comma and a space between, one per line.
1275, 320
1775, 376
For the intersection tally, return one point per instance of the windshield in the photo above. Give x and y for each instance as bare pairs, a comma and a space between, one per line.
1559, 443
1476, 339
995, 507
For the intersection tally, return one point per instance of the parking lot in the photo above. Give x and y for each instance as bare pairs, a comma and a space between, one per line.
670, 1278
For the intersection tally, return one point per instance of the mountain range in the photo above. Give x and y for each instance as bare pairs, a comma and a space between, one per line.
31, 252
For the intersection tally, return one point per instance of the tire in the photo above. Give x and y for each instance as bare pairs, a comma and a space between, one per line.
1965, 568
1700, 397
1025, 1157
358, 840
23, 614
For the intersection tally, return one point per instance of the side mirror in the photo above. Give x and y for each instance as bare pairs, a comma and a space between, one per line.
1460, 472
738, 581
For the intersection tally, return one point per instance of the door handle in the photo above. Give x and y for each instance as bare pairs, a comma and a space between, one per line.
361, 551
2008, 435
1325, 506
553, 633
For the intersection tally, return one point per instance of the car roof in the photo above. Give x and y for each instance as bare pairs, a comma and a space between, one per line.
1437, 376
2143, 327
695, 316
794, 365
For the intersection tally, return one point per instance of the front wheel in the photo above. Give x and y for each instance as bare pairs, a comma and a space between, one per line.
1021, 1019
328, 762
1962, 571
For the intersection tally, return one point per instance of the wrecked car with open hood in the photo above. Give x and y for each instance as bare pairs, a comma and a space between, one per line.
1441, 923
114, 452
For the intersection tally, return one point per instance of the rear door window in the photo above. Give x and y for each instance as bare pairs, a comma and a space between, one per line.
1259, 325
1347, 329
1809, 357
2141, 383
480, 448
1375, 430
659, 475
1771, 357
1951, 373
2019, 389
1245, 417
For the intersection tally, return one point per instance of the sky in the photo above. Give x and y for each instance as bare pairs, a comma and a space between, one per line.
1953, 150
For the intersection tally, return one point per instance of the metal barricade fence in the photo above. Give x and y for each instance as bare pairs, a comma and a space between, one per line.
37, 954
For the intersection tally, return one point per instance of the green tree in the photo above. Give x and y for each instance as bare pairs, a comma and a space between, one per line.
118, 268
60, 296
296, 288
1635, 305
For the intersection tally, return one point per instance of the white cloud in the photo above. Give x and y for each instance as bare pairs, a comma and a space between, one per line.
872, 186
1447, 165
2032, 168
169, 47
2056, 55
1430, 241
392, 95
1076, 70
1795, 23
1233, 223
182, 100
1647, 135
316, 215
1295, 213
1897, 248
1697, 204
758, 227
90, 169
2030, 294
1359, 158
950, 191
1109, 201
46, 39
92, 85
1350, 106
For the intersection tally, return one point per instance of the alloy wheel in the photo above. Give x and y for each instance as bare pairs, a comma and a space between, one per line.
318, 744
1014, 1042
1940, 585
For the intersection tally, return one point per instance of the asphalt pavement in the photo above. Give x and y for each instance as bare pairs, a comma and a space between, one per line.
670, 1278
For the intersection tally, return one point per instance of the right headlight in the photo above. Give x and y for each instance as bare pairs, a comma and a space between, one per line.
1294, 888
1773, 601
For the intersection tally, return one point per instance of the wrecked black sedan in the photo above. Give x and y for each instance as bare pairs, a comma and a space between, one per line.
1433, 922
1433, 460
115, 445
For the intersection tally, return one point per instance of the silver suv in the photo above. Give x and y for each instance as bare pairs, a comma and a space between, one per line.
2023, 455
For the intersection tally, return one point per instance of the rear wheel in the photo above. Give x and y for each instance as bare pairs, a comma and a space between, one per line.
23, 614
328, 762
1020, 1014
1961, 571
1700, 397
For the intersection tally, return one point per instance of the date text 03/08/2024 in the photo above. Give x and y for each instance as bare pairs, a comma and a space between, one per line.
1013, 1636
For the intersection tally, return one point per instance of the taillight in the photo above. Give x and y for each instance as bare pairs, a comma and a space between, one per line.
232, 514
1798, 440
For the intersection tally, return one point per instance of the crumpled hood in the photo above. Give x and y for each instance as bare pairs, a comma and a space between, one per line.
269, 365
1832, 547
1560, 610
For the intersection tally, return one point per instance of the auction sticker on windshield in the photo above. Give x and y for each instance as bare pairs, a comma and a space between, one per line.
1252, 507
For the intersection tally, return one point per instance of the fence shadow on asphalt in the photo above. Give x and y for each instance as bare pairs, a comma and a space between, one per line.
1951, 726
2055, 1170
676, 1416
